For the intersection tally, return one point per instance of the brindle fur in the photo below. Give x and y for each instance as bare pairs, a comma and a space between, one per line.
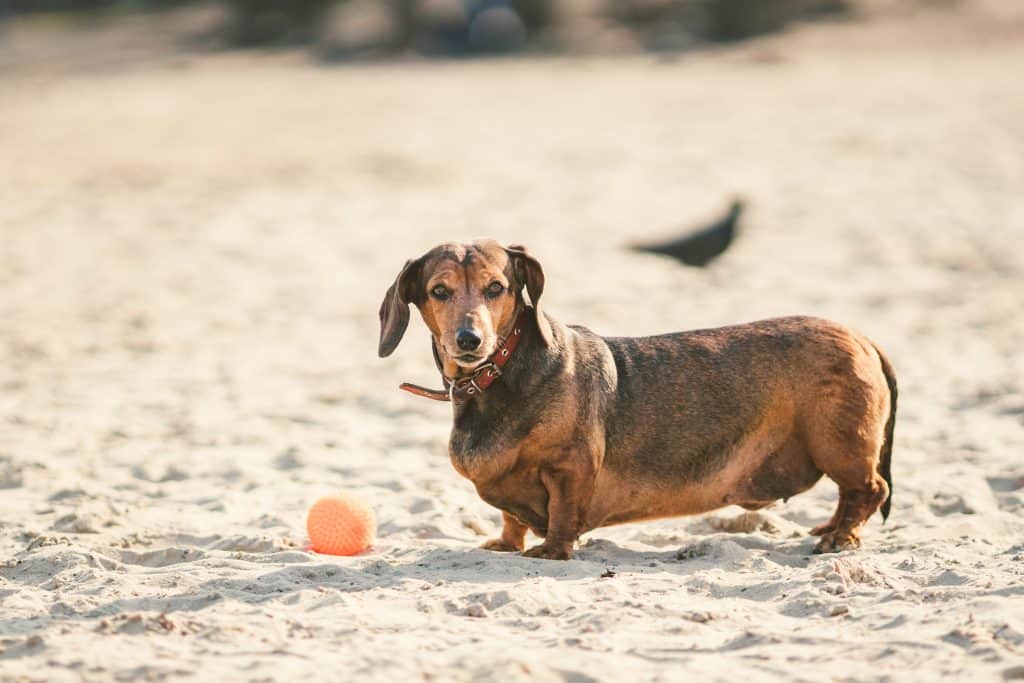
584, 431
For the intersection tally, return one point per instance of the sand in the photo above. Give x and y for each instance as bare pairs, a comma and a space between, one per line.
193, 253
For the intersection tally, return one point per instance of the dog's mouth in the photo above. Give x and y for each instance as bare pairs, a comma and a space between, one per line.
469, 360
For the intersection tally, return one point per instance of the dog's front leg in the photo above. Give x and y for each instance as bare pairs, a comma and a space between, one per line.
568, 491
513, 536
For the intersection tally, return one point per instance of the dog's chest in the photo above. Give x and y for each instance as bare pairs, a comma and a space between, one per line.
484, 443
480, 455
509, 480
503, 470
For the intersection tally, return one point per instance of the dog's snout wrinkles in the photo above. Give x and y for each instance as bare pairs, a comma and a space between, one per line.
467, 339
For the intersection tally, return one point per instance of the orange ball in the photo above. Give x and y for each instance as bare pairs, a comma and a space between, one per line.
342, 524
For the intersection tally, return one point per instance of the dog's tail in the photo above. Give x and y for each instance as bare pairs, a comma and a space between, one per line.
885, 456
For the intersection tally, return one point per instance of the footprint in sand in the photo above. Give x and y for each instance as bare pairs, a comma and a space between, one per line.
1008, 491
162, 557
10, 475
973, 496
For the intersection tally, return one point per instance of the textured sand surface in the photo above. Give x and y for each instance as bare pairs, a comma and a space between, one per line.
191, 263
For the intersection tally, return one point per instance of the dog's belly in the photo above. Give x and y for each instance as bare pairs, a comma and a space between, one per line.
618, 500
770, 465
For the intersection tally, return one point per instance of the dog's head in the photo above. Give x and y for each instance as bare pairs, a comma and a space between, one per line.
468, 295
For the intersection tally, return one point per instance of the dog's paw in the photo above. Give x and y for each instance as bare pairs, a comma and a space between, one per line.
835, 543
500, 545
545, 551
823, 529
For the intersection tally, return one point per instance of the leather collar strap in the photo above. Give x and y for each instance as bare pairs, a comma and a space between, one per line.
484, 376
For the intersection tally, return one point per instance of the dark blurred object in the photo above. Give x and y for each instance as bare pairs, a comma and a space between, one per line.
26, 6
43, 6
738, 19
453, 27
275, 22
678, 24
700, 247
343, 29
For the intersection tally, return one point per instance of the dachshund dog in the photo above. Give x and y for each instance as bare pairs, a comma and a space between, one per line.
565, 431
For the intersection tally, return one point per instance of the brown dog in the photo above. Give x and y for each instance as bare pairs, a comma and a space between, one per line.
565, 431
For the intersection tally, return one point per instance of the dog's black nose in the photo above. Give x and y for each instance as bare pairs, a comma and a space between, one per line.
467, 340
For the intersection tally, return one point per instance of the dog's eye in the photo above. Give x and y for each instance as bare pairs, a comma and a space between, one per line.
495, 289
441, 293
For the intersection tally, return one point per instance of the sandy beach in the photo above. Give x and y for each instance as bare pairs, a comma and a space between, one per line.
192, 254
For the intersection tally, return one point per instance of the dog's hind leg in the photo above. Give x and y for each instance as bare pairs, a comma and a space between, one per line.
849, 457
856, 505
830, 525
849, 434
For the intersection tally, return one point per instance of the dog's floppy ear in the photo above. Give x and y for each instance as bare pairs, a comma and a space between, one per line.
394, 310
529, 273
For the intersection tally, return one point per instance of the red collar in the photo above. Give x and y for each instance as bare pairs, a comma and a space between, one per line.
484, 376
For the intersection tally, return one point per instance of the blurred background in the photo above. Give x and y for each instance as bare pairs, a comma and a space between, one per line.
226, 188
91, 31
202, 204
339, 29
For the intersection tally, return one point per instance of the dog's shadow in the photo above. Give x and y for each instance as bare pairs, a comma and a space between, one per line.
603, 558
